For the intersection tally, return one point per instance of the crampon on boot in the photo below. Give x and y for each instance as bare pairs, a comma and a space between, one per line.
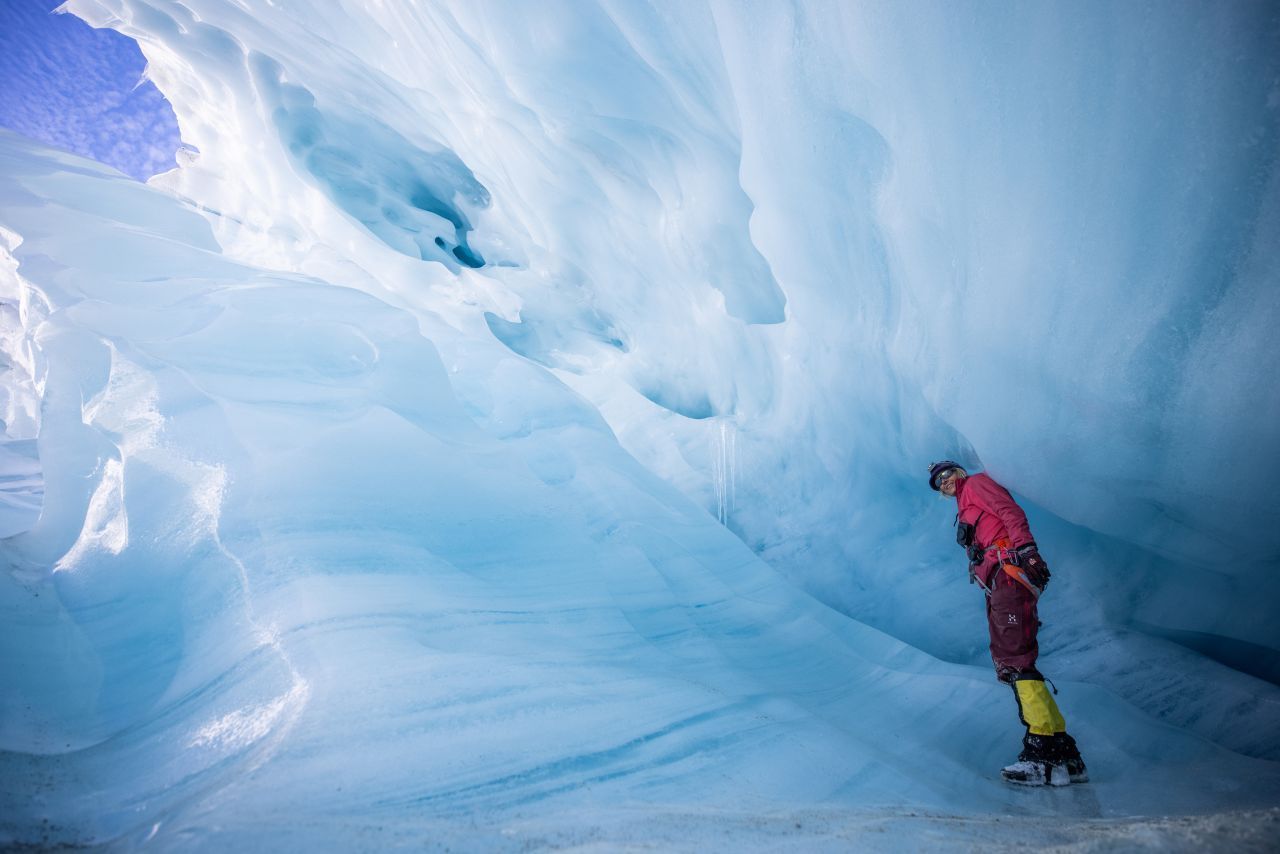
1065, 751
1037, 764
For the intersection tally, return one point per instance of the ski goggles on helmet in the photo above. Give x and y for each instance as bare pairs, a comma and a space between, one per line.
940, 470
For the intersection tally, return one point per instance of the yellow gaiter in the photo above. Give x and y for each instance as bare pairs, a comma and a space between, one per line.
1037, 708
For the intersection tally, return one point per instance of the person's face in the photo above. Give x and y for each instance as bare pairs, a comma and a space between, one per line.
947, 483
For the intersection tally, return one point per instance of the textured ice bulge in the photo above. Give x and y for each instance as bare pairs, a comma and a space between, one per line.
514, 410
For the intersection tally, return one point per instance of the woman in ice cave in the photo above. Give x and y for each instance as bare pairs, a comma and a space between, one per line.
1004, 560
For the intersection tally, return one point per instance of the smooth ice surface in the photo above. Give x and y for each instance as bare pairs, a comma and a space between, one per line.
518, 414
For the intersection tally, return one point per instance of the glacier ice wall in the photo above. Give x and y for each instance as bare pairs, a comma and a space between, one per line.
338, 519
286, 569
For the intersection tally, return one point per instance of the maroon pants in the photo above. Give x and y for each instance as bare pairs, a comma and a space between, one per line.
1012, 619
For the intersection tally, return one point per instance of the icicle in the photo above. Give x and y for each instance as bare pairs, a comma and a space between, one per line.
724, 467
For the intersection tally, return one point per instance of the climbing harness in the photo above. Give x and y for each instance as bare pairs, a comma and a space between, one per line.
1006, 557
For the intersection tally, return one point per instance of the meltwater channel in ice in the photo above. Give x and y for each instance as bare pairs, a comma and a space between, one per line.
511, 408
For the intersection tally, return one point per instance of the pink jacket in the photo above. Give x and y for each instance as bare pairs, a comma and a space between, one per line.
989, 506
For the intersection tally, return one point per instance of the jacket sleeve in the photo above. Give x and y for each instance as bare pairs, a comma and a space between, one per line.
999, 502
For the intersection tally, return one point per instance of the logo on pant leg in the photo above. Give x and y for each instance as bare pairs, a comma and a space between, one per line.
1013, 619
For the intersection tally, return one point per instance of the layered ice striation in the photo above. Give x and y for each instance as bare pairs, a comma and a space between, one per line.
524, 410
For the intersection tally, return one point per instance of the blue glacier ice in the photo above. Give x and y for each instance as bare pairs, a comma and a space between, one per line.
507, 425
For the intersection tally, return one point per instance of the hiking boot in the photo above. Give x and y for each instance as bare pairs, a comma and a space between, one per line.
1025, 773
1038, 764
1065, 751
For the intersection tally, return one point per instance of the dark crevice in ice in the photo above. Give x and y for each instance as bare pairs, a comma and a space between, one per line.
1258, 661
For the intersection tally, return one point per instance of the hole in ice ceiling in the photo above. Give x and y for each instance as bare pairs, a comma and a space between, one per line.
462, 253
414, 200
690, 402
81, 90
